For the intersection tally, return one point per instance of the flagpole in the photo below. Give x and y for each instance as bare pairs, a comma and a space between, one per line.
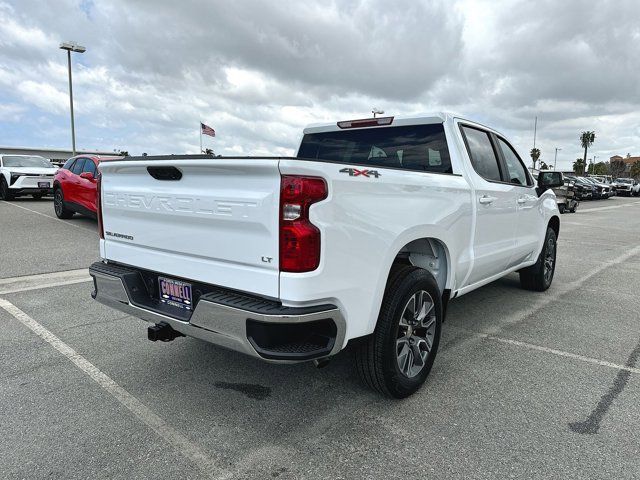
200, 130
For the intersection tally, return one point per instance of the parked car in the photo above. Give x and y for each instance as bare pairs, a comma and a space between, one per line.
601, 191
74, 186
583, 190
25, 175
627, 186
364, 236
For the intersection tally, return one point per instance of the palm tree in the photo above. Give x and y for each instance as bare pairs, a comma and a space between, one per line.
535, 155
586, 140
578, 166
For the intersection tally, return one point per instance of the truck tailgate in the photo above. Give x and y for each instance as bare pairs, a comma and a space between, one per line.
218, 223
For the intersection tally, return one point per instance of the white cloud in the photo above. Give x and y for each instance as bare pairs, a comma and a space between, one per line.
259, 71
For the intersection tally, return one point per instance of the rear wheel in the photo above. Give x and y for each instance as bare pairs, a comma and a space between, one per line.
561, 208
397, 358
5, 192
58, 205
539, 276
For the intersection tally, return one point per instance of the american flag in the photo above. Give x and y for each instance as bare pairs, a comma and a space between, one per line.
207, 130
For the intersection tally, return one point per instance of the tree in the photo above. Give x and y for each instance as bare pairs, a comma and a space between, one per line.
124, 153
586, 140
535, 155
617, 168
208, 151
544, 166
635, 170
600, 168
578, 166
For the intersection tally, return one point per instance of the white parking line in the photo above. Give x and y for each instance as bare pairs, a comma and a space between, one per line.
560, 353
597, 209
43, 280
66, 222
180, 443
557, 291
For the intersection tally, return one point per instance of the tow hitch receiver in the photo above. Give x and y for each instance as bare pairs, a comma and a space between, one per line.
162, 332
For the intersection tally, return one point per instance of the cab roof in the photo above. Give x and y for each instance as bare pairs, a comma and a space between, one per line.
396, 120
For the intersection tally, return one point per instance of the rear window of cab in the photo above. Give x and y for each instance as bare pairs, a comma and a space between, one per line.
411, 147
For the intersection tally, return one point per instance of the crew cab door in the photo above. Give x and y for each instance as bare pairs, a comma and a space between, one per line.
530, 222
496, 219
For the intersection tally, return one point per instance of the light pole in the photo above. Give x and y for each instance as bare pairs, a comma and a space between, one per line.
72, 47
555, 159
377, 111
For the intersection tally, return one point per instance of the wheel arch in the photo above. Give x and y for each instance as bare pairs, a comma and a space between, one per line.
429, 253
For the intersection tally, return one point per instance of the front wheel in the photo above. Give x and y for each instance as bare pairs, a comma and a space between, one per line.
5, 192
396, 359
561, 208
58, 205
539, 276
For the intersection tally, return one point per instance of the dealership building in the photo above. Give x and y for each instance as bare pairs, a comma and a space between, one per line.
56, 155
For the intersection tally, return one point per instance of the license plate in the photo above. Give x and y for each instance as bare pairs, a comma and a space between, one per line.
43, 184
175, 292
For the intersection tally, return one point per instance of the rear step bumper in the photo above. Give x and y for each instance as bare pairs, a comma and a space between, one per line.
258, 327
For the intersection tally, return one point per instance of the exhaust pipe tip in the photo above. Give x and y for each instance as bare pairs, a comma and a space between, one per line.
162, 332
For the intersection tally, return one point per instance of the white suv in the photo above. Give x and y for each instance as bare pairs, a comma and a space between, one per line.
25, 175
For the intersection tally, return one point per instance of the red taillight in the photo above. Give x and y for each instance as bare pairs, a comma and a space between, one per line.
99, 205
299, 238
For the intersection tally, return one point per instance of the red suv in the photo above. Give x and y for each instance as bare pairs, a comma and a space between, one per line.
74, 186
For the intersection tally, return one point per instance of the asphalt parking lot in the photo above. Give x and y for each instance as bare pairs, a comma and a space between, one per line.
526, 385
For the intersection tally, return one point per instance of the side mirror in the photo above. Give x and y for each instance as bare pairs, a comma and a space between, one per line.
87, 176
547, 180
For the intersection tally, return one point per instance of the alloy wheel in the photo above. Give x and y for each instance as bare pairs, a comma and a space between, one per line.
416, 332
549, 259
57, 202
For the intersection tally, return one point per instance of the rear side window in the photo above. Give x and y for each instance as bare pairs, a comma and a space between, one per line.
67, 165
483, 157
412, 147
90, 167
515, 168
78, 166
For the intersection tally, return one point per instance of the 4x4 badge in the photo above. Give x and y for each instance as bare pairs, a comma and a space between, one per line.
354, 172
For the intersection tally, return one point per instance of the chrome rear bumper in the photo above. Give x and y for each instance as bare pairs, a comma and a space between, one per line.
256, 330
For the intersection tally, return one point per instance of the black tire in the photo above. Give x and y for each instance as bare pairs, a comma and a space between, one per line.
377, 356
61, 210
561, 208
538, 277
5, 192
38, 196
573, 209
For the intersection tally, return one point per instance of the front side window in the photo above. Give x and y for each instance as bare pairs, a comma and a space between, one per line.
515, 169
78, 166
483, 157
412, 147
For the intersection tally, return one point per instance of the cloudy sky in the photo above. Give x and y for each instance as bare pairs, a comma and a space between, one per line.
258, 71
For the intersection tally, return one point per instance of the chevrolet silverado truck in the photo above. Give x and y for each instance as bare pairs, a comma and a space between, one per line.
362, 237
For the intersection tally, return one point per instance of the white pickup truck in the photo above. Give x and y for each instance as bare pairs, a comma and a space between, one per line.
364, 236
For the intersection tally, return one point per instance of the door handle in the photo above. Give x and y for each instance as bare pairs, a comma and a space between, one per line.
522, 201
486, 199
